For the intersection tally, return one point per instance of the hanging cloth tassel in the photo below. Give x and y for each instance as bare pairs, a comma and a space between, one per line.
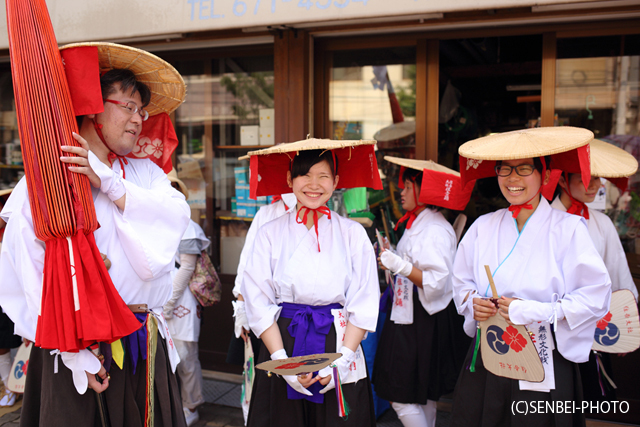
343, 408
603, 373
472, 367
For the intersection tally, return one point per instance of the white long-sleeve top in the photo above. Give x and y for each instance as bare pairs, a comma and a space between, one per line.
607, 242
140, 242
286, 266
553, 254
264, 215
430, 246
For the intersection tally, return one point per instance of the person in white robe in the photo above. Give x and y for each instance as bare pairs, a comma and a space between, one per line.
139, 239
265, 214
286, 203
325, 266
408, 370
607, 160
546, 269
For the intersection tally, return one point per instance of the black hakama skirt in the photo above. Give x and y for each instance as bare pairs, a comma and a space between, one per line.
270, 406
7, 337
483, 399
420, 361
52, 400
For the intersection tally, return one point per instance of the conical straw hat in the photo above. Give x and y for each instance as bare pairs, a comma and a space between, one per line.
167, 87
609, 161
395, 131
356, 164
526, 143
310, 144
619, 330
420, 165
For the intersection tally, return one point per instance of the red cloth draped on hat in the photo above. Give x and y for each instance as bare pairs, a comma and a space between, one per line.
357, 167
445, 190
157, 140
572, 161
79, 304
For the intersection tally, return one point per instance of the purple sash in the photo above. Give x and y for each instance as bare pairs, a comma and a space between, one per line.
309, 328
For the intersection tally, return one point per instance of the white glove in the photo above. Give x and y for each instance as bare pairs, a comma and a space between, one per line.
240, 314
292, 380
396, 264
343, 363
111, 183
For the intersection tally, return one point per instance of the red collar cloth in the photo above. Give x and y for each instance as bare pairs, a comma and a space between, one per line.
111, 156
526, 205
411, 215
577, 207
322, 209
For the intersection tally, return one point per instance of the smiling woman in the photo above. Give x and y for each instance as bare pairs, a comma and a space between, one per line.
543, 262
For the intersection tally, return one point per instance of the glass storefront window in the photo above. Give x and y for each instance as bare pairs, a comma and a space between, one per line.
487, 85
219, 122
372, 95
598, 88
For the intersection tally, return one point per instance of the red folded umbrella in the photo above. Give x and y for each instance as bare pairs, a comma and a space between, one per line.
79, 303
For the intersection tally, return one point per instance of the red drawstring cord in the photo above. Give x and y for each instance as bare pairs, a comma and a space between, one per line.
577, 207
111, 156
526, 205
322, 209
409, 215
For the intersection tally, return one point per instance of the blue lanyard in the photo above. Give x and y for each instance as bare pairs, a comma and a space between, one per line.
510, 252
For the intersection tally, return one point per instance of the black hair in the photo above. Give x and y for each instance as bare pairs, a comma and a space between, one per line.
306, 159
414, 175
126, 81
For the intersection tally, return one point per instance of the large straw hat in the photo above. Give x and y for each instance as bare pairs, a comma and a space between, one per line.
526, 143
609, 161
395, 131
357, 165
420, 165
5, 192
168, 89
173, 177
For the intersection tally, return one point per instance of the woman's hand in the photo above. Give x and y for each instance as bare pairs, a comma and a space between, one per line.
306, 380
503, 307
483, 309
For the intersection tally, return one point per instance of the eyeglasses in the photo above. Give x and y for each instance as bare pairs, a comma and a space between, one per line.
131, 107
522, 170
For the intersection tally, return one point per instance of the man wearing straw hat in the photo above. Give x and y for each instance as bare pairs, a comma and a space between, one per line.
142, 220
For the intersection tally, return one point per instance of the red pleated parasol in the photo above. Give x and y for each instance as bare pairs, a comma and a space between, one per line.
80, 304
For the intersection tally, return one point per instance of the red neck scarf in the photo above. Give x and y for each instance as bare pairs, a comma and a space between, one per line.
111, 156
526, 205
322, 209
577, 207
411, 215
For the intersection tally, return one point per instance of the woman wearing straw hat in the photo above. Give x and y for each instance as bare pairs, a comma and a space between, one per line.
546, 270
311, 285
415, 360
615, 164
